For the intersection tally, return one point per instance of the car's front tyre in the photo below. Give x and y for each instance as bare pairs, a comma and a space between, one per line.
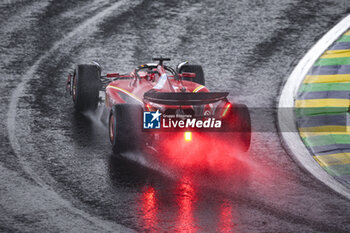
85, 87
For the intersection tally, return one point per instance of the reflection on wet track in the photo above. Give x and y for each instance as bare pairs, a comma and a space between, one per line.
149, 208
154, 203
58, 171
186, 197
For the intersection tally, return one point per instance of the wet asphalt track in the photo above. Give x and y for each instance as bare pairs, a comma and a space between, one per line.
56, 166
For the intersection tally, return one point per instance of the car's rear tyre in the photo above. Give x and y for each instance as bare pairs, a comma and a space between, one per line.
125, 127
197, 69
246, 129
86, 86
238, 125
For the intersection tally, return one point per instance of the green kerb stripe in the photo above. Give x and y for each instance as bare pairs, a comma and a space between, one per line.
328, 139
333, 61
299, 112
311, 87
338, 170
345, 38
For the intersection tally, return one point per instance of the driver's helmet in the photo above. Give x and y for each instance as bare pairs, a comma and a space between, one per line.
153, 76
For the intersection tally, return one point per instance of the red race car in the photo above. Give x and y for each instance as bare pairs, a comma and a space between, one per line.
154, 101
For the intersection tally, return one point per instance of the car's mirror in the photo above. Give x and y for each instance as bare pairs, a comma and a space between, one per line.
188, 75
112, 75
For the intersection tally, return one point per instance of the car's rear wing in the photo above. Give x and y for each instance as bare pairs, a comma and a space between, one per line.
184, 98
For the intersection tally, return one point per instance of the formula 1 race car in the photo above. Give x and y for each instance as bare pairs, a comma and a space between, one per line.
134, 103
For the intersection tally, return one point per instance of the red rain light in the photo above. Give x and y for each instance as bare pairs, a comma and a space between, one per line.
188, 136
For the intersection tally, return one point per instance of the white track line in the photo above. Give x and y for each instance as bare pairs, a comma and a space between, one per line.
83, 30
286, 121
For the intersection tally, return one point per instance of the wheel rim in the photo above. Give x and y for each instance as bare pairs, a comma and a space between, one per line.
111, 128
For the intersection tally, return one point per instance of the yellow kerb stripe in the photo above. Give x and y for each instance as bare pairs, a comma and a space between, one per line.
324, 130
333, 159
198, 88
319, 103
347, 33
126, 92
335, 78
336, 53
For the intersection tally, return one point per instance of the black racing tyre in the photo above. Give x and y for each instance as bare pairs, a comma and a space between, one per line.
197, 69
237, 123
125, 127
86, 86
243, 114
